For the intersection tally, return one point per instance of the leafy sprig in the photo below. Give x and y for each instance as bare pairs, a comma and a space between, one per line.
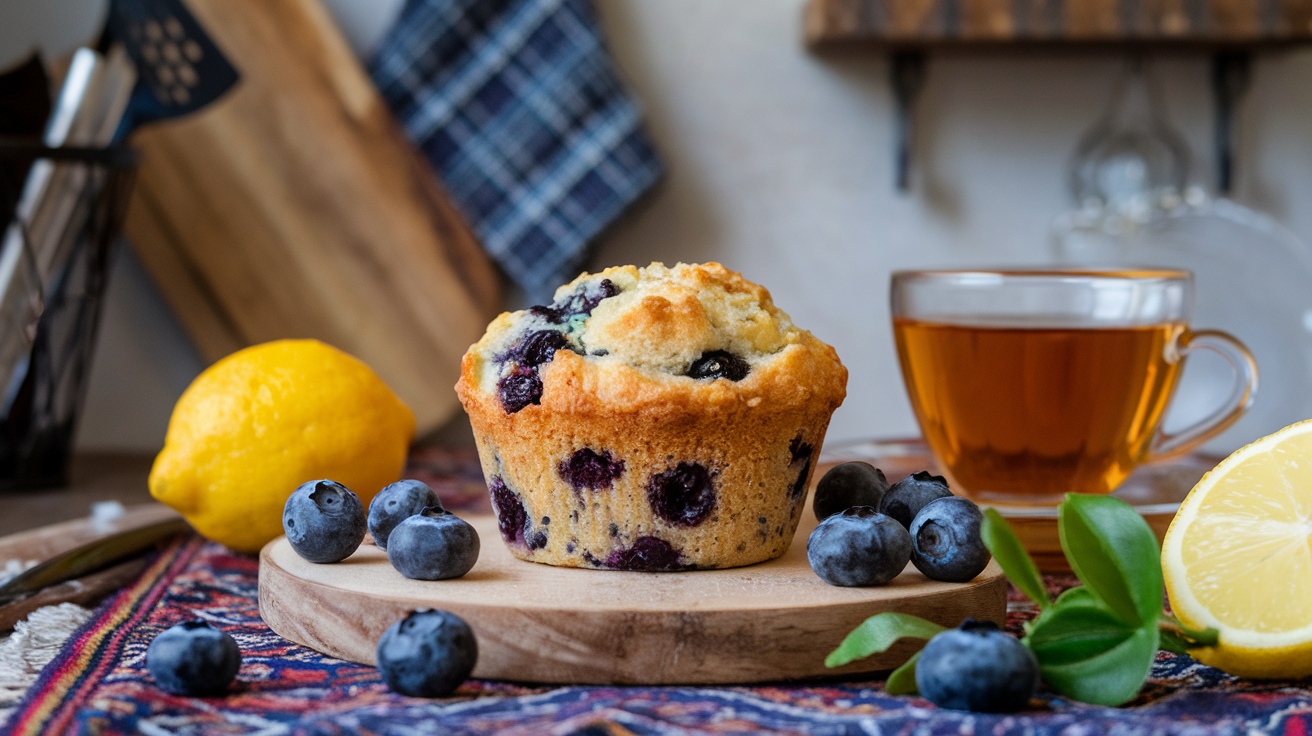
1096, 642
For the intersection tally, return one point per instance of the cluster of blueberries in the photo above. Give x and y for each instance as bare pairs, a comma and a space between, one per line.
426, 654
521, 383
868, 532
325, 522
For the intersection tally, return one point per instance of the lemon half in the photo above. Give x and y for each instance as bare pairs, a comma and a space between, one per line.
1238, 557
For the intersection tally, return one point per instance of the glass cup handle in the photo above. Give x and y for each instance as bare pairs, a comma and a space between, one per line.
1240, 398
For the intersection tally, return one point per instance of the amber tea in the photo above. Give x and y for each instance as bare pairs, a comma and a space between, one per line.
1034, 412
1030, 384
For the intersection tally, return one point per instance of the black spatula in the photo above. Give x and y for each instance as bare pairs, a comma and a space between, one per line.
179, 68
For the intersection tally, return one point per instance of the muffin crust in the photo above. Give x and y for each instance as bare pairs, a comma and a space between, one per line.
602, 449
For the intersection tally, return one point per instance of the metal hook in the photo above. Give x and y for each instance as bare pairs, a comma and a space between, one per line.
907, 77
1230, 78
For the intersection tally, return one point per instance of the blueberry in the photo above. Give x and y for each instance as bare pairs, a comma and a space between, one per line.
858, 547
801, 452
848, 485
396, 503
193, 658
646, 554
683, 495
536, 540
589, 295
584, 299
905, 498
427, 654
519, 388
324, 521
539, 347
512, 517
433, 545
719, 364
977, 667
548, 312
945, 541
587, 468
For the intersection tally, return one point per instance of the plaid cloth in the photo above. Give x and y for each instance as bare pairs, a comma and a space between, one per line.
518, 106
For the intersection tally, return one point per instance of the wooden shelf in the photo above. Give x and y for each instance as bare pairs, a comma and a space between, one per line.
1058, 24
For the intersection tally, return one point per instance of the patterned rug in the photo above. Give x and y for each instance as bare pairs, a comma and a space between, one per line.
99, 684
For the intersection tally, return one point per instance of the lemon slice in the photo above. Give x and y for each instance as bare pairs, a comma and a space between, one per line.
1238, 557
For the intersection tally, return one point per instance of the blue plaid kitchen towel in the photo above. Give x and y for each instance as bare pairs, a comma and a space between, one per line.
519, 108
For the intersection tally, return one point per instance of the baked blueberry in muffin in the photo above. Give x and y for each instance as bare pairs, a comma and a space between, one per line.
661, 418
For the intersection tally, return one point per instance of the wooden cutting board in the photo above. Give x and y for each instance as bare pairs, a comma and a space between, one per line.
536, 623
294, 207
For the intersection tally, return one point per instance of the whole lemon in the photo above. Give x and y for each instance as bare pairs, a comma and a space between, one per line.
262, 421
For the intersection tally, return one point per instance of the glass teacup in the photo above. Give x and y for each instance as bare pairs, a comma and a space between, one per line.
1029, 384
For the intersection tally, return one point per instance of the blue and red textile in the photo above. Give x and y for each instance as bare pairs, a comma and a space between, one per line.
99, 683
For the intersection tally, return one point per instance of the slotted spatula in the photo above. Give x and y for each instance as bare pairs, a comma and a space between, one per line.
179, 68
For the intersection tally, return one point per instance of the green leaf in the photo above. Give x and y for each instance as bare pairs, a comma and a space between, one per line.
1113, 551
1208, 637
1071, 596
902, 681
879, 632
1192, 637
1173, 642
1077, 630
1006, 548
1076, 595
1111, 678
1088, 653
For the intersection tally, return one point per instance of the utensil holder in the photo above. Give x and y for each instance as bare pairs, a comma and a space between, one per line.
40, 402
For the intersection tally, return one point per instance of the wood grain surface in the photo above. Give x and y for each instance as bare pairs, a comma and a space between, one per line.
535, 623
294, 207
1069, 23
47, 541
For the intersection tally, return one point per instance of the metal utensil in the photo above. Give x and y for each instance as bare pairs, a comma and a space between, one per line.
1230, 79
180, 69
907, 77
21, 289
89, 558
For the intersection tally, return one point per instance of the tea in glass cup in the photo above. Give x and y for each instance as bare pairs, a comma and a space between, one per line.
1031, 384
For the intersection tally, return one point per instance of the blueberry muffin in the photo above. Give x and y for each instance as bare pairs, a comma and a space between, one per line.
650, 419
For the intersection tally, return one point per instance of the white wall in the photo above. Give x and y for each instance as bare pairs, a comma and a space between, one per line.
780, 165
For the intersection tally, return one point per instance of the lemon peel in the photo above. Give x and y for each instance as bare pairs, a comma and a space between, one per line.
260, 422
1238, 557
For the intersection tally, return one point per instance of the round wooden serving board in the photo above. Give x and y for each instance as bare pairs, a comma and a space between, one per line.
536, 623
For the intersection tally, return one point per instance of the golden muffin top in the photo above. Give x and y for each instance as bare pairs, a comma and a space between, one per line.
689, 337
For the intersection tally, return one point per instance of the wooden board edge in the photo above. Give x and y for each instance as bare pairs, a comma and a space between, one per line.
50, 540
350, 633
